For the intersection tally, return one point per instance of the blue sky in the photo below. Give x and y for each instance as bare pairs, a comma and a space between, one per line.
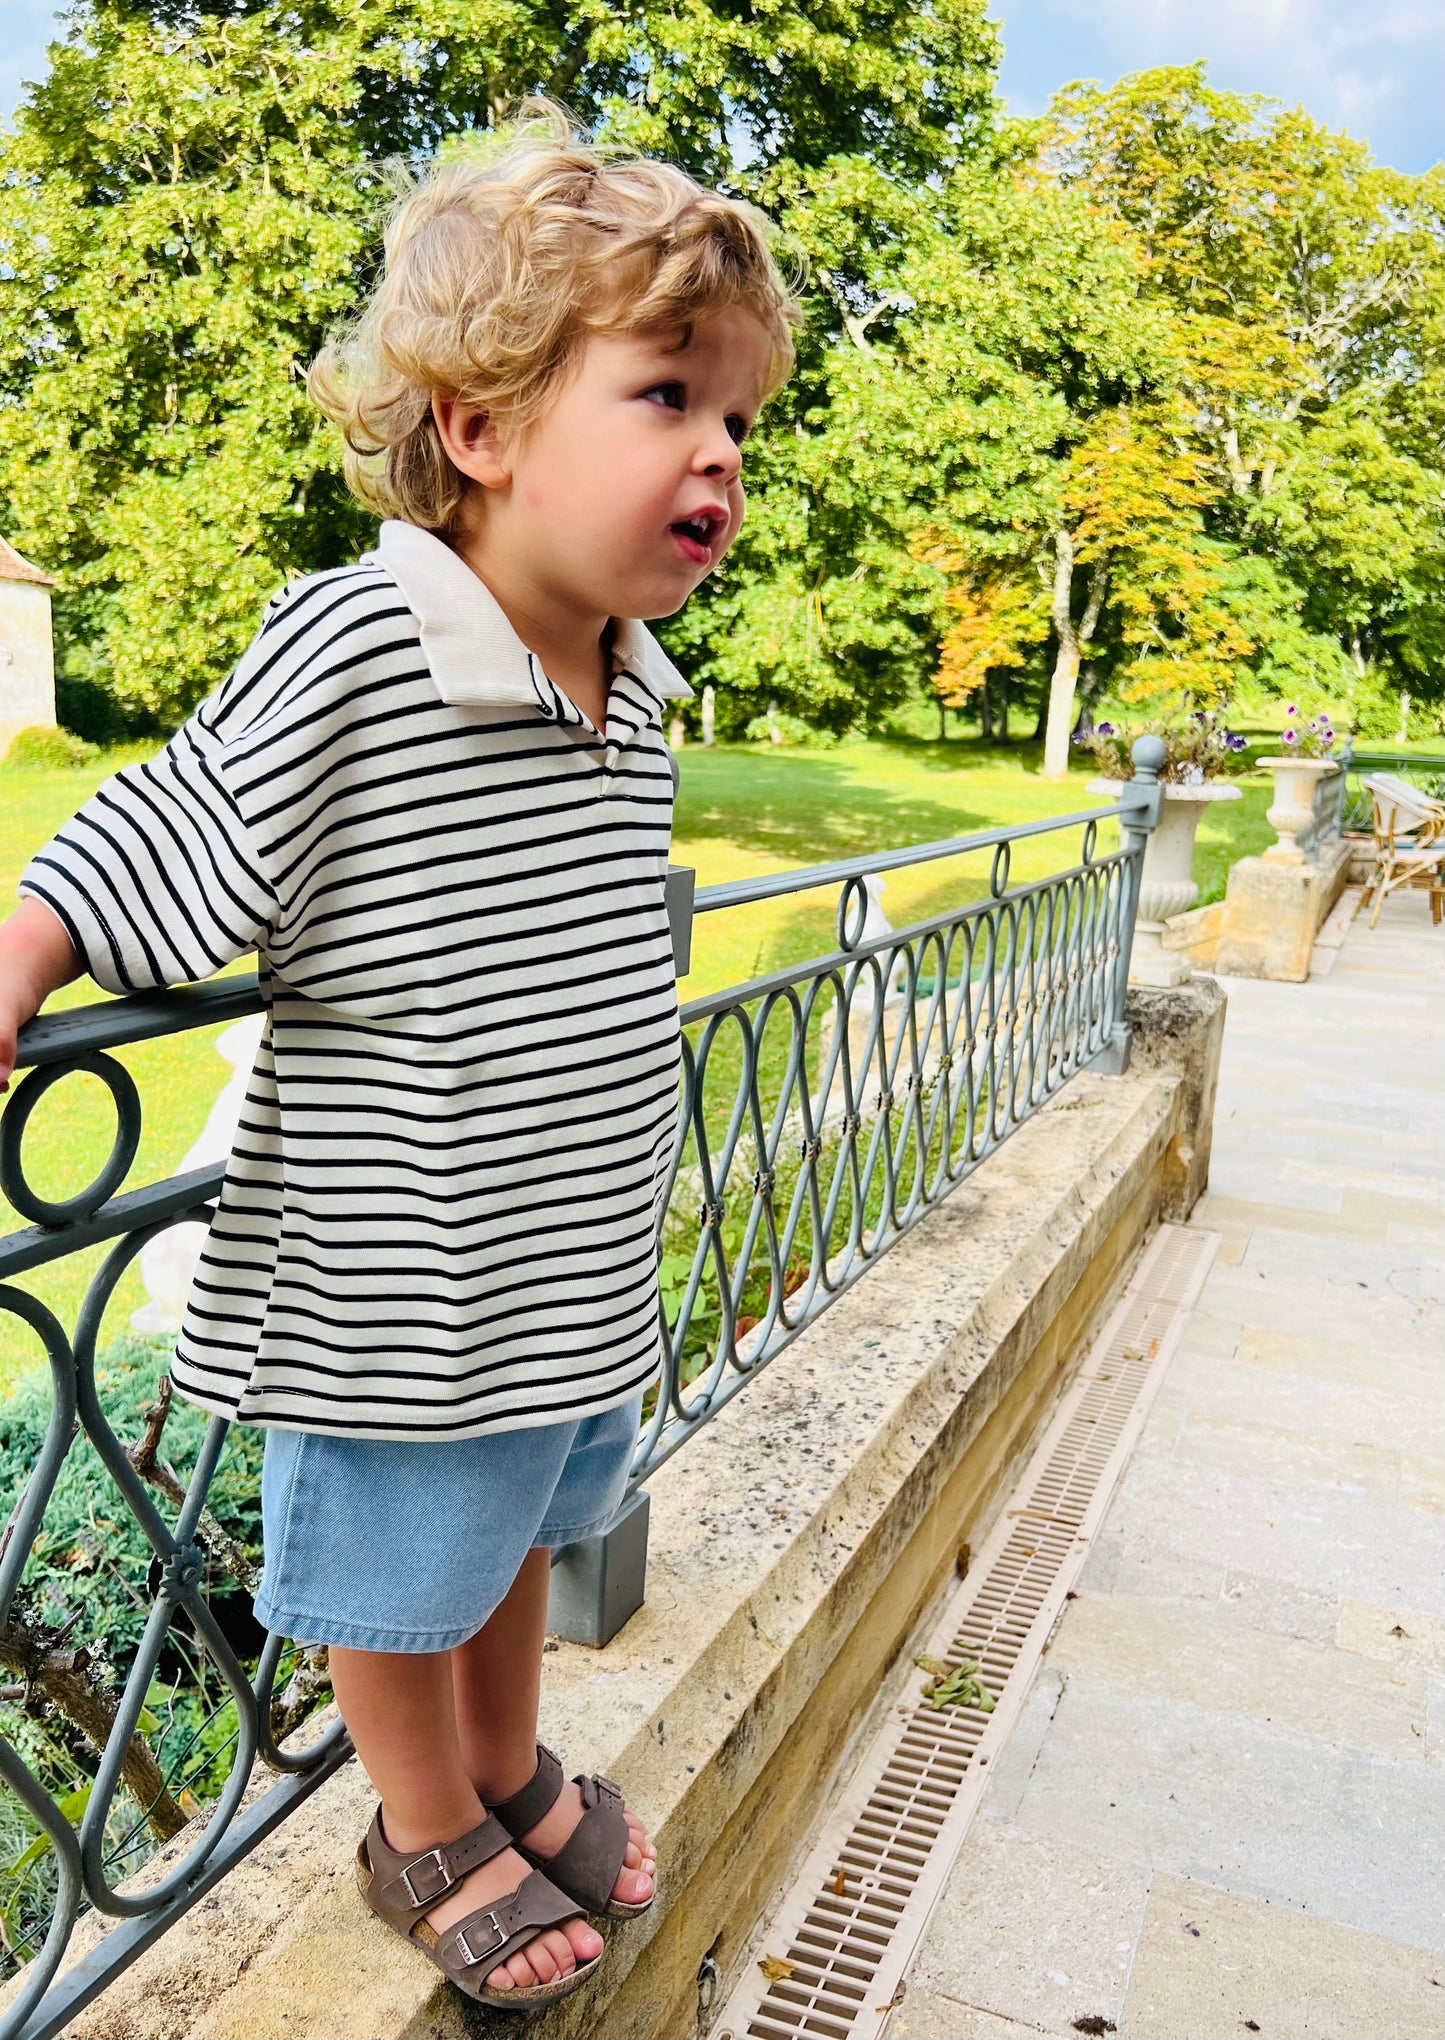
1371, 66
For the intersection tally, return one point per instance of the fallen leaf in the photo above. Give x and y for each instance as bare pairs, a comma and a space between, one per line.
960, 1686
896, 1999
775, 1969
1094, 2022
187, 1801
1251, 2025
839, 1886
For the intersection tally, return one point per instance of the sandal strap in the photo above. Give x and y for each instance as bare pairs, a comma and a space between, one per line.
521, 1813
486, 1937
411, 1884
586, 1865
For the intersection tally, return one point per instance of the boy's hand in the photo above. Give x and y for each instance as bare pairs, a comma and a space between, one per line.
36, 956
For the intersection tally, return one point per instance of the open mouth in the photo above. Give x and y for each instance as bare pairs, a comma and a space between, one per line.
695, 534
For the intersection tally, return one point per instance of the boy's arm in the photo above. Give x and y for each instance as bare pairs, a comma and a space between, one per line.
36, 956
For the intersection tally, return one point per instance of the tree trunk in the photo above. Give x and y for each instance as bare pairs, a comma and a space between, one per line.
1088, 689
1073, 641
1003, 680
709, 704
942, 721
985, 711
64, 1678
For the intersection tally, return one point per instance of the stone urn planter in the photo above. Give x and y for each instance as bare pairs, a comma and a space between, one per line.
1167, 883
1295, 813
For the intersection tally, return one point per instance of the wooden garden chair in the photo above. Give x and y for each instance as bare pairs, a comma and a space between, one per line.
1409, 832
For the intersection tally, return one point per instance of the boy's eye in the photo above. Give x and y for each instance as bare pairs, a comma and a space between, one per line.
670, 394
737, 429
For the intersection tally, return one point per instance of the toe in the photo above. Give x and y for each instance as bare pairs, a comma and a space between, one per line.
585, 1941
537, 1959
633, 1887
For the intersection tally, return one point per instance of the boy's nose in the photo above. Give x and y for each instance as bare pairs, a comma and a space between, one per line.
720, 458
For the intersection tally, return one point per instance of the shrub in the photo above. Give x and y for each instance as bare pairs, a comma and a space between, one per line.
91, 1553
47, 745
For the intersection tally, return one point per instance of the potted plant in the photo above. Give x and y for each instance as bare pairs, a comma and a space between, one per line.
1301, 772
1199, 753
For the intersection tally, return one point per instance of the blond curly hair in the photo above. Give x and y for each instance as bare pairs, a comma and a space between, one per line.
500, 263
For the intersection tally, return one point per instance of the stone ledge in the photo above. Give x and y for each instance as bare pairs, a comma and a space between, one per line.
795, 1548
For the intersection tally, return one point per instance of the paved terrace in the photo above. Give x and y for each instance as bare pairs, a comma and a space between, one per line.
1223, 1811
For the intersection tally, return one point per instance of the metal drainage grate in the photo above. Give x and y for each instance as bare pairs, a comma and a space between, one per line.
837, 1948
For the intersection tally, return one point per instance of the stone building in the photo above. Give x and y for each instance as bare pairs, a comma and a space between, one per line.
27, 659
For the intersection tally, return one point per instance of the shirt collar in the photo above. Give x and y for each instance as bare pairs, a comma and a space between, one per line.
475, 656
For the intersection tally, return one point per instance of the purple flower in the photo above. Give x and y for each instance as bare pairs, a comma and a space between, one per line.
1238, 743
1291, 736
1103, 729
1293, 708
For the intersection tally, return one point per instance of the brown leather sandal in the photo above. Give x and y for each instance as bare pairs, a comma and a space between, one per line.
401, 1889
586, 1865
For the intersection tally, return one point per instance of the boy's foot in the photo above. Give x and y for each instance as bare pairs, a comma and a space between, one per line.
634, 1879
554, 1952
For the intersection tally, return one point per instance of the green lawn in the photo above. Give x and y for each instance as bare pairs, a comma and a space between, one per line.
742, 810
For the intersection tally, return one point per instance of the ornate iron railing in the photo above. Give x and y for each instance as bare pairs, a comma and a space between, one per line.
1426, 773
825, 1107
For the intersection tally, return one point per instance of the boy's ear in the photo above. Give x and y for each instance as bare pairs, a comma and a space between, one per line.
471, 441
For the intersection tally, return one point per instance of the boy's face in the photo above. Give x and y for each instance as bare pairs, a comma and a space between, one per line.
626, 493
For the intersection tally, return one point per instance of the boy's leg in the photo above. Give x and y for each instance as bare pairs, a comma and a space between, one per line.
400, 1712
497, 1678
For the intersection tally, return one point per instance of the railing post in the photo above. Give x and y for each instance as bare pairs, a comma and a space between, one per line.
681, 888
1139, 804
1335, 823
600, 1581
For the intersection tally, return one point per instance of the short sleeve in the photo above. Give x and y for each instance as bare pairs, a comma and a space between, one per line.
156, 878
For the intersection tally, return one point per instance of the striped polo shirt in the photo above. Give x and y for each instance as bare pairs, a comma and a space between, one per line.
441, 1214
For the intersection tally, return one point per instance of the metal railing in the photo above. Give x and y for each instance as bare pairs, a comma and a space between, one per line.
824, 1108
1358, 763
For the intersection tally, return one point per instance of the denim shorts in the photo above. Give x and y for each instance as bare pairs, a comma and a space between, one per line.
376, 1544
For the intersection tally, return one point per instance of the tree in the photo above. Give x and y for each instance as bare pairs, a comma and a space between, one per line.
1307, 283
191, 199
979, 323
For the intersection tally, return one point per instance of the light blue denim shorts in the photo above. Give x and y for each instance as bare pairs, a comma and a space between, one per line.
376, 1544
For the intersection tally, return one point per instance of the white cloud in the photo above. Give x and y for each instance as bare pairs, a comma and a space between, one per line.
1370, 68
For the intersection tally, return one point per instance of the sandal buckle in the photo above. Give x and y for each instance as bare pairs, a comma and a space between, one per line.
433, 1865
464, 1937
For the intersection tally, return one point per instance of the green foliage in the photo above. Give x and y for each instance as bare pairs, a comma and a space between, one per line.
91, 1554
192, 198
1305, 283
1145, 395
88, 1578
47, 747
